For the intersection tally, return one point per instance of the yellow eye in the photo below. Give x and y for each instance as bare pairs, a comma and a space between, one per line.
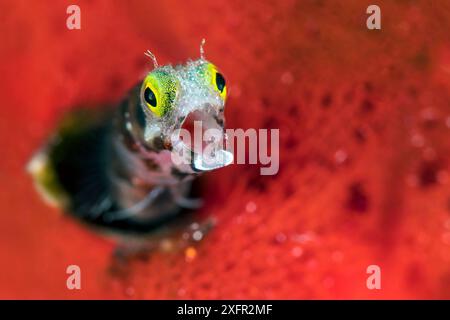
218, 81
159, 91
221, 85
150, 98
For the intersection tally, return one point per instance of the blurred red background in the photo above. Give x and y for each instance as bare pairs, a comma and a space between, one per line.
364, 120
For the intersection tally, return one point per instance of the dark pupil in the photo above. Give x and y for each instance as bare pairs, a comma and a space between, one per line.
149, 97
220, 82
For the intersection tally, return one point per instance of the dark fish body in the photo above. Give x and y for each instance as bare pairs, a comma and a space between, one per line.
91, 179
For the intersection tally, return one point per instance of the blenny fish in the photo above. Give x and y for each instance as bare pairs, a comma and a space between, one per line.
115, 167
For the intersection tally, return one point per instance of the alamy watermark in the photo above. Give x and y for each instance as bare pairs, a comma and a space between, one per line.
211, 149
73, 21
374, 280
374, 20
73, 281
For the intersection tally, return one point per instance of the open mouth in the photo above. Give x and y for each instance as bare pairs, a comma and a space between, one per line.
203, 140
